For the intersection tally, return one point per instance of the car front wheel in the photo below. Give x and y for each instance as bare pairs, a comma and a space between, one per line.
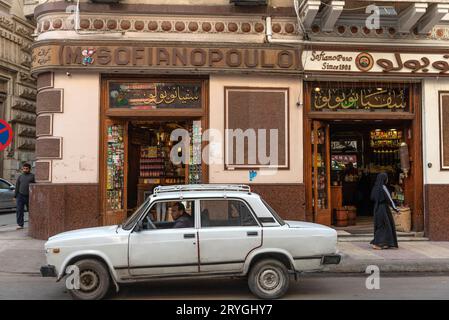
268, 279
94, 280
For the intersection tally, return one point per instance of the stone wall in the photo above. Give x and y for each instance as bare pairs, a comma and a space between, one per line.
18, 107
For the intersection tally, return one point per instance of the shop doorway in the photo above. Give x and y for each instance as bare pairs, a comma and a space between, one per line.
345, 157
143, 154
139, 115
151, 153
351, 133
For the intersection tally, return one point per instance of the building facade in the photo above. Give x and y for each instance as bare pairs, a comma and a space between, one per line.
334, 100
17, 86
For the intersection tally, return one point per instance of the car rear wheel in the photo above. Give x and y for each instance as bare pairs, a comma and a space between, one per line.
269, 279
94, 280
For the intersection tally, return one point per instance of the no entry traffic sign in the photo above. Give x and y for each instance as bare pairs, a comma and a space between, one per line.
5, 134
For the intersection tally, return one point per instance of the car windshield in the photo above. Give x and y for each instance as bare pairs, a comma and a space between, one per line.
131, 221
274, 213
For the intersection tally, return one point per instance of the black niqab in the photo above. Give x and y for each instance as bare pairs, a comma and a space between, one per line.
378, 193
384, 226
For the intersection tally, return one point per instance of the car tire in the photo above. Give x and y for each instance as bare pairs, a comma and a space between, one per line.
268, 279
94, 280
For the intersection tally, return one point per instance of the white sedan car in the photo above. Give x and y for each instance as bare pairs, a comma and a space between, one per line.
193, 231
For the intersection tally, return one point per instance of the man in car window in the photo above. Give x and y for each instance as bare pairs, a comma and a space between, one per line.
182, 218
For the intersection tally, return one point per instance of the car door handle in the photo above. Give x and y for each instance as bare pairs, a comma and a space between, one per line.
189, 235
252, 233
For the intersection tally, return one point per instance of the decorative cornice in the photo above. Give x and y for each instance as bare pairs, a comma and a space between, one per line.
6, 23
155, 24
384, 33
241, 29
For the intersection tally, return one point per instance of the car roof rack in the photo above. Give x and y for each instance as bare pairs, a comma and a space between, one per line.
202, 187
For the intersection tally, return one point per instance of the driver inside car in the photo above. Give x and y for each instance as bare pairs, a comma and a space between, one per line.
181, 217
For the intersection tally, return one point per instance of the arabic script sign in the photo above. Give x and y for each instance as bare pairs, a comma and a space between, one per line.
384, 62
370, 99
151, 95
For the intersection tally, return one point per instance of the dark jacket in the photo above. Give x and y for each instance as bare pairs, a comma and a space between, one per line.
184, 221
23, 184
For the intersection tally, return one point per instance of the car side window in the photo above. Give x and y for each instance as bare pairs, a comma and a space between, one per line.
170, 214
4, 185
225, 213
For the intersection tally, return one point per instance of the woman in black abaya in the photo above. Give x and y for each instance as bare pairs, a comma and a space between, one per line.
384, 227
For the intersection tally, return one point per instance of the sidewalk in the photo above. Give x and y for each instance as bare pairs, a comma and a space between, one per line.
412, 256
21, 254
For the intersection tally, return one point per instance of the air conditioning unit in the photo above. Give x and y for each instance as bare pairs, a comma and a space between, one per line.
249, 2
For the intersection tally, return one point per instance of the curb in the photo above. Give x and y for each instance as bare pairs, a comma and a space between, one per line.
349, 265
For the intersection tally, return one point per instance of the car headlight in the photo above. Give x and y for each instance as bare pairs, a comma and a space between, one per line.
52, 250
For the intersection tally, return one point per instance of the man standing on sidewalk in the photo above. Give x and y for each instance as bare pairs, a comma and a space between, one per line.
22, 192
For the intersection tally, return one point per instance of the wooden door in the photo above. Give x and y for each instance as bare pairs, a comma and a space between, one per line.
320, 173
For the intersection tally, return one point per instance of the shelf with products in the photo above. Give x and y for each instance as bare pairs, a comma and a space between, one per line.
319, 169
115, 167
320, 141
390, 138
154, 163
195, 172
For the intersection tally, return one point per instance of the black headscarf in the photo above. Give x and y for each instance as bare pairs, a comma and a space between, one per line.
378, 193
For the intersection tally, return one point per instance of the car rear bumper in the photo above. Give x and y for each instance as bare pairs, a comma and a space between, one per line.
331, 259
48, 271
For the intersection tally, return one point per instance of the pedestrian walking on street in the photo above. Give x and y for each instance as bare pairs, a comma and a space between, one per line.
22, 192
384, 227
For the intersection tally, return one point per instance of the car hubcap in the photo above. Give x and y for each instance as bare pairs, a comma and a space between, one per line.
89, 281
269, 280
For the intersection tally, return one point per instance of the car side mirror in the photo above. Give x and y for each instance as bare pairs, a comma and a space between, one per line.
12, 188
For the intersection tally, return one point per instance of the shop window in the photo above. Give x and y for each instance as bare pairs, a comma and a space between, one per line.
444, 130
256, 123
225, 213
154, 95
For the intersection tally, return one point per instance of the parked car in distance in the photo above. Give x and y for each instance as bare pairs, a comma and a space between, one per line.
7, 201
223, 231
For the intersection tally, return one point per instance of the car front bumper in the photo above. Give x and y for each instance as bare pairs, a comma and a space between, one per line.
331, 259
48, 271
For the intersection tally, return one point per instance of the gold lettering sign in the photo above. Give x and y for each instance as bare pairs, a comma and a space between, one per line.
414, 65
154, 95
327, 99
411, 64
93, 56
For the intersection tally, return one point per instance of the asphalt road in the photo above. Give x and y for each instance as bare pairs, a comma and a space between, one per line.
328, 287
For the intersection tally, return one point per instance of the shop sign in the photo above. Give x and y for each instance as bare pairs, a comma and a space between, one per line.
370, 99
153, 57
380, 62
151, 95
